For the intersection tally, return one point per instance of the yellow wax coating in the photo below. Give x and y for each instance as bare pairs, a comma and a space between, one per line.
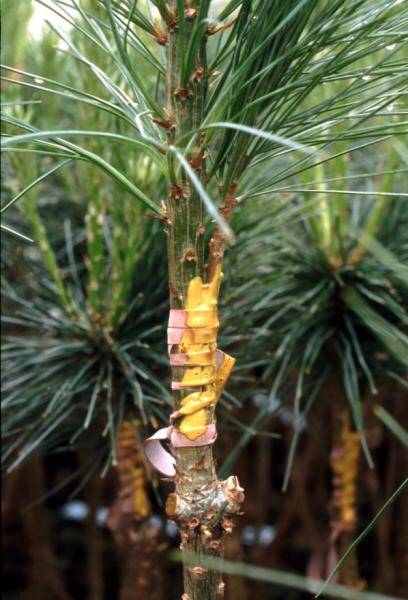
223, 372
202, 299
141, 502
207, 335
195, 425
198, 376
194, 422
133, 467
194, 402
202, 322
346, 470
200, 358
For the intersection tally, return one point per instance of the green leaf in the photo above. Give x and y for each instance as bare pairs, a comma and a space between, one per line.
274, 577
362, 535
34, 183
395, 341
16, 233
271, 137
389, 421
90, 156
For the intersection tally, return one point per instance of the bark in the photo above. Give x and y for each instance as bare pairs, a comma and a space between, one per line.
142, 573
401, 508
43, 579
95, 542
201, 505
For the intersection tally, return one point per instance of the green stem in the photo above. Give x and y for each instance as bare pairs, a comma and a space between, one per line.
40, 235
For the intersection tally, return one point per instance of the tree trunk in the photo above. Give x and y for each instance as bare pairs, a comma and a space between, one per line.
201, 505
44, 579
95, 542
137, 538
344, 461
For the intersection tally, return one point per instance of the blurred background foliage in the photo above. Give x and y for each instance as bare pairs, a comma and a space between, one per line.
314, 305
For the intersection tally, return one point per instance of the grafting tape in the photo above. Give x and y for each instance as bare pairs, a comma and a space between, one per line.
161, 459
193, 330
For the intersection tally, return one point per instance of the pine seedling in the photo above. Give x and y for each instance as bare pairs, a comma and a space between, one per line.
334, 322
235, 95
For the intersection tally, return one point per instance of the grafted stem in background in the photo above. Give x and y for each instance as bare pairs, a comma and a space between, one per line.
201, 505
344, 463
137, 538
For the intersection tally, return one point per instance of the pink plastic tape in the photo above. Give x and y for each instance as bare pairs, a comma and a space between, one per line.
161, 459
179, 385
193, 359
178, 318
177, 326
204, 335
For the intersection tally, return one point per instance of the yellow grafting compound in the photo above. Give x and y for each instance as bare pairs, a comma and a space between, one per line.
345, 470
199, 344
192, 345
132, 471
